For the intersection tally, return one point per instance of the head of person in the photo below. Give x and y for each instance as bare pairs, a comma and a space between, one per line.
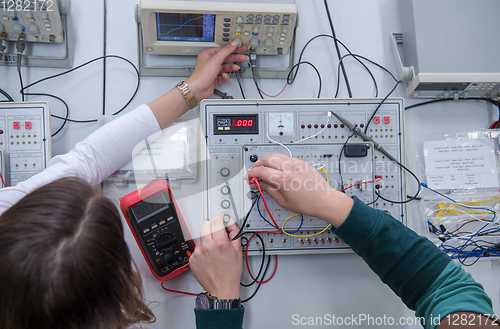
64, 263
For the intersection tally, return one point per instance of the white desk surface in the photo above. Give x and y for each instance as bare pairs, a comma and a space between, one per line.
310, 286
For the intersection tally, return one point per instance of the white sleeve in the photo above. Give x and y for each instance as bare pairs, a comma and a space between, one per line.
93, 159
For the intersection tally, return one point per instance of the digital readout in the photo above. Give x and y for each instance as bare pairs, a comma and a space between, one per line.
236, 124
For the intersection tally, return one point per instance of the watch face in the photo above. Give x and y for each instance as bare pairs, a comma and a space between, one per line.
202, 302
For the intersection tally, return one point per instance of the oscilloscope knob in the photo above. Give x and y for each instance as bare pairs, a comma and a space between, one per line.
254, 158
254, 43
165, 242
269, 43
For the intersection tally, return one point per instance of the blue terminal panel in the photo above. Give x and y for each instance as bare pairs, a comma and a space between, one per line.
185, 27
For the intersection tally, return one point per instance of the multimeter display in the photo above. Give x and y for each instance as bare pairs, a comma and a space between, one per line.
236, 124
159, 229
149, 207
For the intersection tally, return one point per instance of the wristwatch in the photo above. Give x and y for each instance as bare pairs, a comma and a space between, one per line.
188, 94
205, 301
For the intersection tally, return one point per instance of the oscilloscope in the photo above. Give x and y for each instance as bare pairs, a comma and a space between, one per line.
187, 27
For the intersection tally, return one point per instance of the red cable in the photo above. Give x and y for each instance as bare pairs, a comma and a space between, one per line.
373, 181
254, 180
3, 182
246, 258
178, 291
494, 125
282, 90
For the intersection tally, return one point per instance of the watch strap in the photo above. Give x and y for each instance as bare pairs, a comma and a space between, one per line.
187, 94
208, 302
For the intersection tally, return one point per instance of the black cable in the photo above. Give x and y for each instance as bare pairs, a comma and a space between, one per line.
291, 80
258, 287
261, 264
240, 232
408, 200
238, 78
315, 69
340, 164
338, 50
21, 82
338, 75
65, 104
9, 98
254, 75
492, 101
104, 49
369, 204
87, 63
356, 56
380, 105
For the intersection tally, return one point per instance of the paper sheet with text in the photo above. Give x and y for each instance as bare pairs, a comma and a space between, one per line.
461, 164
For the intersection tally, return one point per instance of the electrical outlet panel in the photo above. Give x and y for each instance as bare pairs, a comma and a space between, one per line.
36, 20
24, 139
239, 132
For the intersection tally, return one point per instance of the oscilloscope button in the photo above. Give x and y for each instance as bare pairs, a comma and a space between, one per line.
227, 19
250, 16
225, 39
239, 20
227, 25
267, 17
225, 34
226, 30
259, 16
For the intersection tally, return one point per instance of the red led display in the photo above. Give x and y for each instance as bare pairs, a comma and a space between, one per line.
242, 123
15, 125
27, 125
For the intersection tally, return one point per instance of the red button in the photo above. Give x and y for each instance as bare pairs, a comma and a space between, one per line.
376, 119
16, 125
387, 120
27, 125
315, 126
309, 126
303, 126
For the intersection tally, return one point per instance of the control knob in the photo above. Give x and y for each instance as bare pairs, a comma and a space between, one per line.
269, 43
165, 242
224, 172
33, 29
254, 43
225, 190
17, 28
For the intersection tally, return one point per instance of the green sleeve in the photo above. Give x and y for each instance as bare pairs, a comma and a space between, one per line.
406, 262
423, 276
453, 291
219, 319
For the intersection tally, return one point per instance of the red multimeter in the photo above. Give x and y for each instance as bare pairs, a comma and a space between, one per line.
159, 229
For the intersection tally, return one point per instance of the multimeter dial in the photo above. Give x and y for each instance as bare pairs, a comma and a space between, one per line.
166, 242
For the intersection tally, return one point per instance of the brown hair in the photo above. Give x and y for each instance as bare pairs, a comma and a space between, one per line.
64, 263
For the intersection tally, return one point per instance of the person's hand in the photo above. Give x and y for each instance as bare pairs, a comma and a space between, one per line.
217, 262
299, 187
211, 67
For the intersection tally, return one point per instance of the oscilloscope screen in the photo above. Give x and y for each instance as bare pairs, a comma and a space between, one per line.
185, 27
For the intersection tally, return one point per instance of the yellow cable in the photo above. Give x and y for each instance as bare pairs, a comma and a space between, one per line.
323, 170
305, 236
300, 236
